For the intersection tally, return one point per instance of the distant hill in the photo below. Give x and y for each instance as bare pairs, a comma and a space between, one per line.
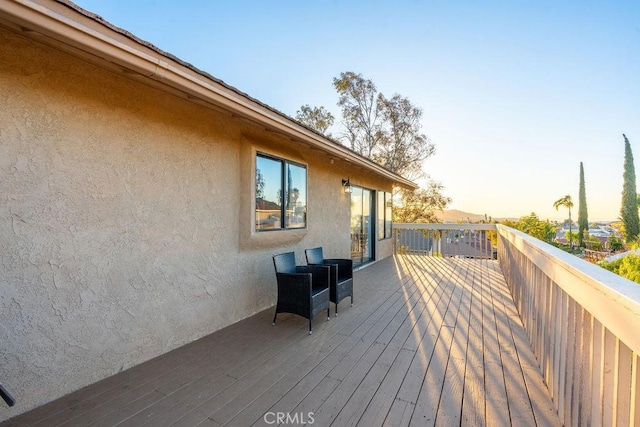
454, 215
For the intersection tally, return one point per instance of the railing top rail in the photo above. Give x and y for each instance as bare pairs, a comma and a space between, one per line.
612, 299
444, 226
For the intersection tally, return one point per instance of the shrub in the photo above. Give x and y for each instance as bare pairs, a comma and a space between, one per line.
628, 267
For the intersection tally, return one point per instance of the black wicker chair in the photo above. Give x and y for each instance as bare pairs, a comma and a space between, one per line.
4, 393
302, 290
341, 280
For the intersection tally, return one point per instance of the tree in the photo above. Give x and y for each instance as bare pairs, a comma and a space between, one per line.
402, 147
583, 222
629, 210
571, 235
615, 244
419, 206
317, 118
593, 243
259, 184
567, 203
386, 130
360, 112
534, 226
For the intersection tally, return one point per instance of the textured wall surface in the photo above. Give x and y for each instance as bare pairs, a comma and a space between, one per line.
125, 221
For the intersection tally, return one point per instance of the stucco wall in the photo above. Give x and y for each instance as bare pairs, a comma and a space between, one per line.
125, 221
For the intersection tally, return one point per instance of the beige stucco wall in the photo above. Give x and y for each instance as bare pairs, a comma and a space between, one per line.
126, 221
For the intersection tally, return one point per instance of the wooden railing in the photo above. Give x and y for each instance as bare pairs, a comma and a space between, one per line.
583, 322
447, 240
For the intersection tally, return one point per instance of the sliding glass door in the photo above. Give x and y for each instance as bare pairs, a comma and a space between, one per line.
362, 222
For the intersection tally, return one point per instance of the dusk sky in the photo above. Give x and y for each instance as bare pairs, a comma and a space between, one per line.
514, 94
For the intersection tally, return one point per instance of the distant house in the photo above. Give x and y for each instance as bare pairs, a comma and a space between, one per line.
142, 200
618, 256
599, 231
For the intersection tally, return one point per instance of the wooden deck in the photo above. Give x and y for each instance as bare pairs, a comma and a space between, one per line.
429, 341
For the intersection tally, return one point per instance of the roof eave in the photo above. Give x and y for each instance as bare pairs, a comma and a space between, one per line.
136, 56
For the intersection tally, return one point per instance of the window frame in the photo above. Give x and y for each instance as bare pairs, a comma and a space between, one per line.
283, 186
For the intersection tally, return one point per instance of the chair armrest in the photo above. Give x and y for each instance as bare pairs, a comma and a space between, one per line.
345, 267
319, 274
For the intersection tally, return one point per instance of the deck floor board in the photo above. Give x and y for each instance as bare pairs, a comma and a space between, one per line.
428, 341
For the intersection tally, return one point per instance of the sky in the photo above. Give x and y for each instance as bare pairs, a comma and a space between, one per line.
515, 94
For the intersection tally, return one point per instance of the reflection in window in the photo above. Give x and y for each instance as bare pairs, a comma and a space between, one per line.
384, 215
380, 215
268, 193
296, 208
275, 178
388, 211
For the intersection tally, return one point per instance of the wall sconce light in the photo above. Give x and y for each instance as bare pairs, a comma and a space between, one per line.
347, 185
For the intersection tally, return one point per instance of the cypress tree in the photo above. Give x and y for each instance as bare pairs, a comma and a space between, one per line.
629, 210
583, 221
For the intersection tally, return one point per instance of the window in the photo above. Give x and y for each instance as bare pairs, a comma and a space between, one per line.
281, 194
384, 215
